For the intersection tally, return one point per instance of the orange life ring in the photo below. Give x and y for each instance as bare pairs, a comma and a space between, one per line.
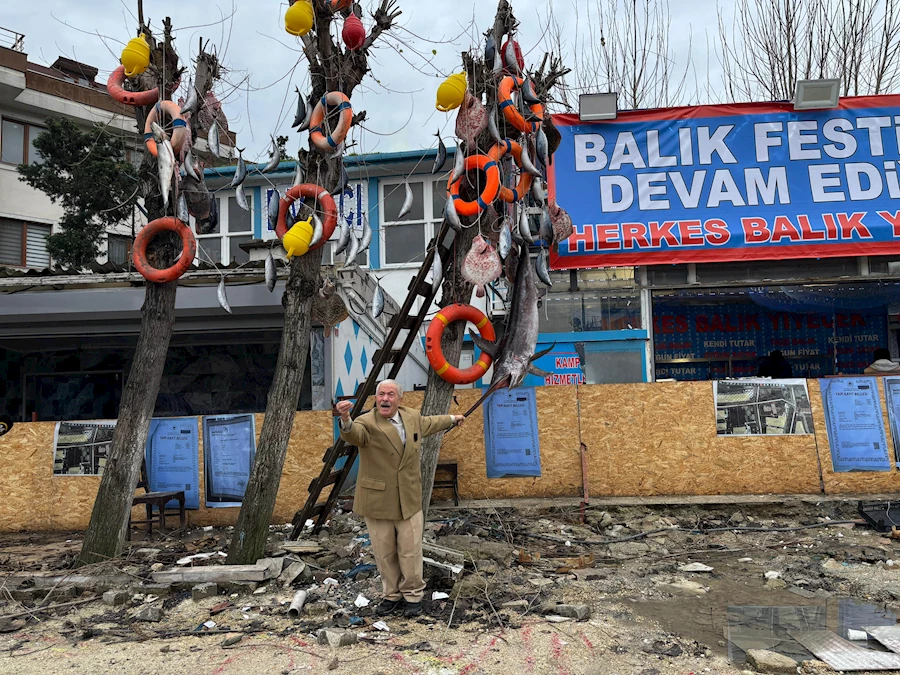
316, 131
146, 235
513, 116
179, 127
114, 85
491, 187
515, 194
433, 351
309, 191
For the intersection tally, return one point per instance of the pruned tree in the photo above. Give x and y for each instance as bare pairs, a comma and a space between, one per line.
482, 84
770, 44
332, 67
73, 163
106, 532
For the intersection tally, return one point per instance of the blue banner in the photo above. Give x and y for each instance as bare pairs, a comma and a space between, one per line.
511, 440
563, 365
855, 424
229, 448
731, 182
173, 462
695, 342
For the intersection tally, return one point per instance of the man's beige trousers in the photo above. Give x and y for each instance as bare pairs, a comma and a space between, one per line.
397, 545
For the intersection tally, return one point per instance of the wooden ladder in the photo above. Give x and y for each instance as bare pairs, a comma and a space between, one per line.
318, 511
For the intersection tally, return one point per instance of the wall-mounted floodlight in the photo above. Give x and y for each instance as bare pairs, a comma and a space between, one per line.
817, 94
595, 107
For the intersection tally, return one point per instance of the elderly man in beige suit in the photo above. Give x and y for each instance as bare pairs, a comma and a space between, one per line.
389, 490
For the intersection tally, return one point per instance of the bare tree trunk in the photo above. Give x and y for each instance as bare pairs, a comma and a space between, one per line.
249, 540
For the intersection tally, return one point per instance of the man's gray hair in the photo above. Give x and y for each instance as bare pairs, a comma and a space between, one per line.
393, 382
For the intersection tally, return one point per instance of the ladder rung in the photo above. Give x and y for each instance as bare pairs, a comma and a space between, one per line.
322, 484
392, 356
317, 510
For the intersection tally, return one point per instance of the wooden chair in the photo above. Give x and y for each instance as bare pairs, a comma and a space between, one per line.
157, 499
450, 469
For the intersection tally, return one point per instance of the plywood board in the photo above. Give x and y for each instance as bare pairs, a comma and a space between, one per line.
854, 482
660, 439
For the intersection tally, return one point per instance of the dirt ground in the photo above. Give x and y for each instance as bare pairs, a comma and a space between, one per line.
648, 616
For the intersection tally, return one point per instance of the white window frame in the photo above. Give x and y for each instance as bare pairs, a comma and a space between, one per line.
224, 235
431, 224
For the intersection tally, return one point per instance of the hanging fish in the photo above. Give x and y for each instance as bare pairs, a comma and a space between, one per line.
525, 226
274, 157
192, 104
181, 209
441, 158
190, 167
496, 62
546, 228
299, 174
241, 198
437, 272
344, 237
451, 215
527, 164
212, 139
492, 125
510, 58
339, 151
505, 244
481, 265
407, 201
542, 267
271, 272
344, 182
542, 146
538, 191
352, 252
307, 117
528, 94
318, 230
272, 209
490, 49
367, 235
562, 223
213, 222
300, 115
241, 172
220, 294
459, 164
377, 300
165, 160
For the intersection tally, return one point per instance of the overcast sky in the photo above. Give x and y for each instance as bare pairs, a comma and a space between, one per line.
399, 94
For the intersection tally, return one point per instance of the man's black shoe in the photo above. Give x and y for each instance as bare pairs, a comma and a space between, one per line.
412, 609
388, 607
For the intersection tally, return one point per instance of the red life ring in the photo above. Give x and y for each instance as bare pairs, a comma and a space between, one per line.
433, 351
518, 192
179, 127
491, 187
316, 133
512, 115
114, 85
146, 235
309, 191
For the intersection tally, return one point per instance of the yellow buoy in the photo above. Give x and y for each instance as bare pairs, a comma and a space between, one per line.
296, 240
136, 56
452, 92
299, 18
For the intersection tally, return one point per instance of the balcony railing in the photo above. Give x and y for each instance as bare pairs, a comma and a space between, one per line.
12, 40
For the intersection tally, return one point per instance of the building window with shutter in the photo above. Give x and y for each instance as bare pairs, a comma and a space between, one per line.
117, 249
24, 244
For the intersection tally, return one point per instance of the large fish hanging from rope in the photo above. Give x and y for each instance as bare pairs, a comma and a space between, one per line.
471, 120
482, 265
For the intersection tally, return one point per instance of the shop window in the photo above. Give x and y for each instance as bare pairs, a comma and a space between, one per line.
404, 239
667, 275
776, 270
614, 367
588, 311
118, 249
17, 143
235, 227
24, 244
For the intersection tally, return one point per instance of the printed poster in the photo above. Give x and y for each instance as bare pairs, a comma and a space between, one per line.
855, 424
82, 448
892, 393
172, 458
511, 440
761, 407
229, 448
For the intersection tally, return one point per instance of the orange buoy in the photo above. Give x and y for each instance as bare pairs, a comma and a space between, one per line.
491, 187
146, 235
515, 194
114, 85
513, 116
433, 351
179, 127
316, 131
308, 191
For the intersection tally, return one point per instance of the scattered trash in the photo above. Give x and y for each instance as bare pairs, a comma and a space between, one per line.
330, 581
351, 574
361, 601
773, 575
857, 635
297, 604
437, 595
697, 567
381, 625
209, 624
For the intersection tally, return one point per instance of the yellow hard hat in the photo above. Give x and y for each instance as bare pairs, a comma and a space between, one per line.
299, 18
452, 92
136, 56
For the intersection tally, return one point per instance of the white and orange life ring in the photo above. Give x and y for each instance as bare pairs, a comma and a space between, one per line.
510, 195
433, 351
316, 129
179, 127
491, 186
146, 235
326, 203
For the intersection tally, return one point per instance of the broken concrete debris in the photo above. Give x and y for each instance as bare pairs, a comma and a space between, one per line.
337, 638
203, 591
116, 598
152, 614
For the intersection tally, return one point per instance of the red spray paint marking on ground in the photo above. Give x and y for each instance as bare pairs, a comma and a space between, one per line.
529, 649
584, 639
399, 657
221, 668
558, 656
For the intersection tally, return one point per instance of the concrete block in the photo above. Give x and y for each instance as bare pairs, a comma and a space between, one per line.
201, 591
153, 614
116, 598
337, 638
771, 662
